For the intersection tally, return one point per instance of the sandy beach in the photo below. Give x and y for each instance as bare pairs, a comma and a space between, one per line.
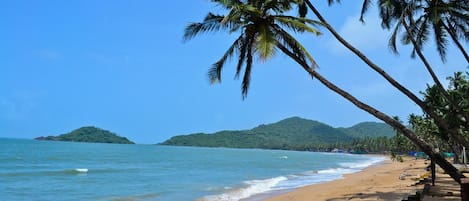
389, 181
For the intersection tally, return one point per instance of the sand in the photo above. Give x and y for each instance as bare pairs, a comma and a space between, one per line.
387, 181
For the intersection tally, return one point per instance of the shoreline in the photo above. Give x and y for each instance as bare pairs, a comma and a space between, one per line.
382, 181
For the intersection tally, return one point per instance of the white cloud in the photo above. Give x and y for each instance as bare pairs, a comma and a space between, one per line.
366, 36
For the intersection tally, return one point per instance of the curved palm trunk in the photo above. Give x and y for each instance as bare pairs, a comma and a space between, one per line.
456, 41
375, 67
450, 169
428, 109
454, 133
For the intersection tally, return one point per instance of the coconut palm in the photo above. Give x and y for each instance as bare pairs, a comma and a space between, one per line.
401, 13
261, 25
443, 18
263, 31
426, 108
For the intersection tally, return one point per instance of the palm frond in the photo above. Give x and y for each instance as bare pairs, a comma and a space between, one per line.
214, 73
297, 24
247, 71
330, 2
392, 40
227, 4
293, 45
211, 23
459, 21
302, 9
440, 39
365, 6
265, 42
241, 55
278, 6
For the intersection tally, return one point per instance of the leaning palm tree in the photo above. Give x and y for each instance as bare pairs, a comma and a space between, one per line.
401, 13
425, 107
428, 109
420, 18
263, 31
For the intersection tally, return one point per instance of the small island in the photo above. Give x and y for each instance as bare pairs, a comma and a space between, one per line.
89, 134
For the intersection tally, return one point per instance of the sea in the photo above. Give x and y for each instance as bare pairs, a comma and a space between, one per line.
48, 170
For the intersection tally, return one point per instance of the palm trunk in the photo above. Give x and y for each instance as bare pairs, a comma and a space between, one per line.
425, 147
375, 67
426, 108
456, 41
453, 133
380, 71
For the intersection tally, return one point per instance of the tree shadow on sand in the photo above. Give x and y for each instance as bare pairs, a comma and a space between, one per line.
372, 196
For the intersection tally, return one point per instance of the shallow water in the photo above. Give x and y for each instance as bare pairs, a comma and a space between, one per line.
45, 170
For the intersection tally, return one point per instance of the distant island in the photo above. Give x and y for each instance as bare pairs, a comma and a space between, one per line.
293, 133
89, 134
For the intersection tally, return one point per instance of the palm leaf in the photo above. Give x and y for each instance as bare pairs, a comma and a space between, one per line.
297, 24
392, 40
440, 39
214, 73
242, 49
365, 6
265, 42
211, 23
293, 45
247, 71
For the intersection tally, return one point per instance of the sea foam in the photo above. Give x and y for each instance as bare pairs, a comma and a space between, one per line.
363, 164
253, 187
282, 183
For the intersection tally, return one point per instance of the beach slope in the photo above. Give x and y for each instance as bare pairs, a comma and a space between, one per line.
387, 181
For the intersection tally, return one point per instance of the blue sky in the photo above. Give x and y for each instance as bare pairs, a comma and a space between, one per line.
123, 66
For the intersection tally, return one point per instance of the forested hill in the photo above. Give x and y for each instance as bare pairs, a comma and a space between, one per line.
293, 133
370, 129
89, 134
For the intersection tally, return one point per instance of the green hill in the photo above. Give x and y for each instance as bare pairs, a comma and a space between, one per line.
369, 129
89, 134
293, 133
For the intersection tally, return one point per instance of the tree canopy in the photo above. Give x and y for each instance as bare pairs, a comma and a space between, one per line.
89, 134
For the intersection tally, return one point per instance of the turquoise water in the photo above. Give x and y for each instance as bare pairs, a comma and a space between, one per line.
44, 170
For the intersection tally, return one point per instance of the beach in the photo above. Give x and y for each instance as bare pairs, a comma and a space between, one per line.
389, 180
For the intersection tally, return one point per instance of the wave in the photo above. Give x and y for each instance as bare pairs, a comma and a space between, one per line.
285, 183
58, 172
254, 187
336, 171
363, 164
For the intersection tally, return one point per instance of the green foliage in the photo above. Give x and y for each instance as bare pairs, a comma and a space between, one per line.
370, 129
262, 28
396, 157
89, 134
292, 134
456, 117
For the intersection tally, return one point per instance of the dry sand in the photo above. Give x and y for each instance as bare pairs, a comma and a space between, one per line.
380, 182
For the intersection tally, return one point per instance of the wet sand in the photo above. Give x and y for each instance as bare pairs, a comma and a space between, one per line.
388, 181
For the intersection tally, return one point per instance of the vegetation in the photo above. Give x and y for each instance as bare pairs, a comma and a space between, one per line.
263, 27
89, 134
369, 129
425, 126
293, 134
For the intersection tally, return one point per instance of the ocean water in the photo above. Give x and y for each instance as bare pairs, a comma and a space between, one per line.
45, 170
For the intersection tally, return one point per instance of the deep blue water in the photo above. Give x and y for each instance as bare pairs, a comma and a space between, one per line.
45, 170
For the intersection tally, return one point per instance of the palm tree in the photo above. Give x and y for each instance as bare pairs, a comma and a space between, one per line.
443, 18
260, 24
263, 25
401, 13
441, 123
